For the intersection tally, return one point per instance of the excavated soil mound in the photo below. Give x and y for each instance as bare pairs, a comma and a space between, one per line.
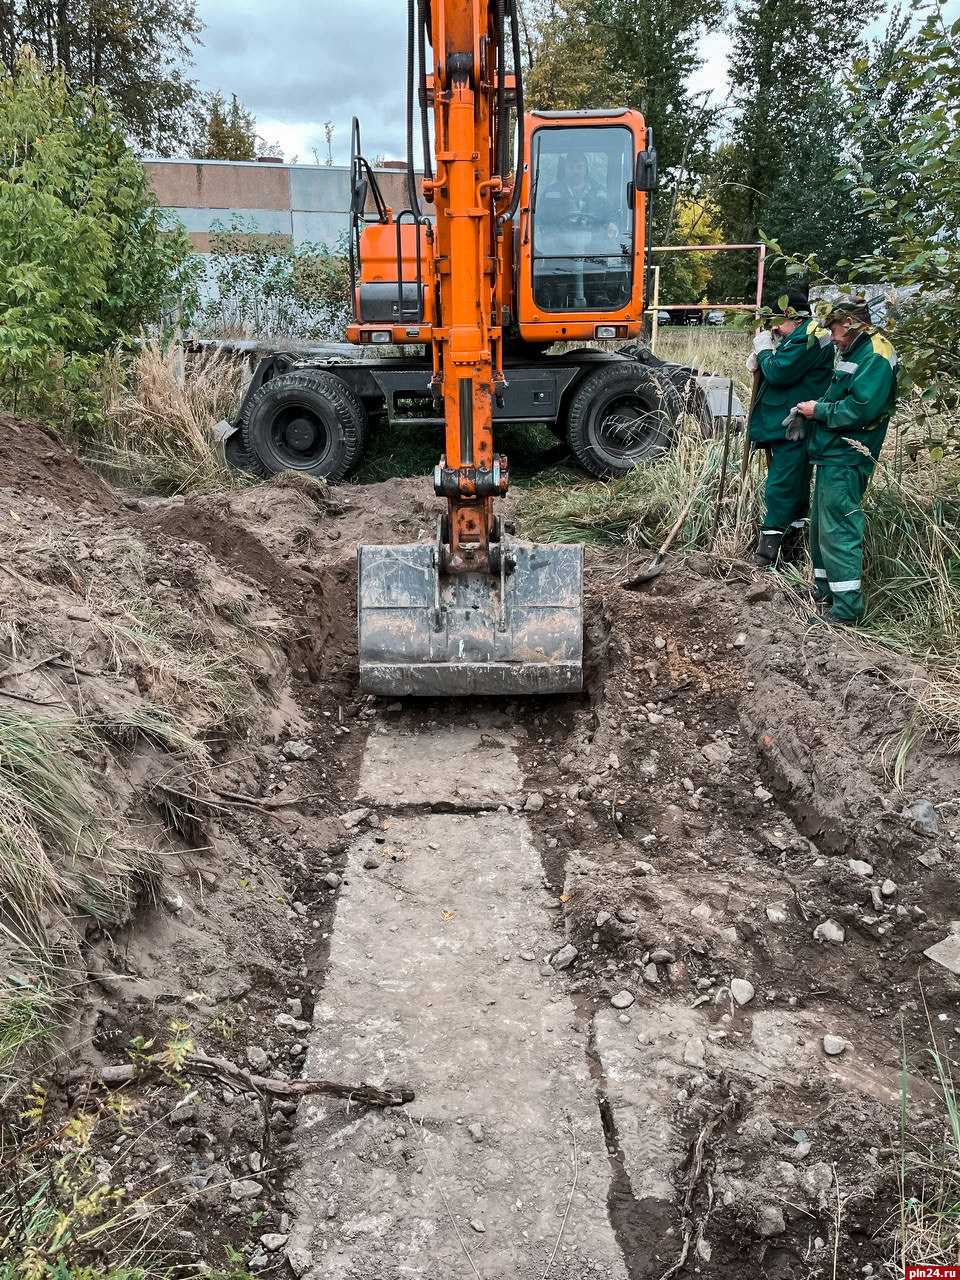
32, 460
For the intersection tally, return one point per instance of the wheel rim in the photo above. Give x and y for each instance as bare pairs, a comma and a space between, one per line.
625, 430
299, 437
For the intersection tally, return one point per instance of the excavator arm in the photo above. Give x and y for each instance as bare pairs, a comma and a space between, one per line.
465, 190
476, 612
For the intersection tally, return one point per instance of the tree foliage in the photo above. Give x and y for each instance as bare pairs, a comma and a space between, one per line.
85, 258
224, 132
265, 287
913, 198
685, 277
911, 195
637, 53
788, 135
134, 52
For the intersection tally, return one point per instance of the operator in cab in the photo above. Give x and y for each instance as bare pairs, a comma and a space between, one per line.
575, 199
578, 229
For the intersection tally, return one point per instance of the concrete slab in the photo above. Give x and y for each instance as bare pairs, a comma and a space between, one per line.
500, 1162
460, 768
946, 952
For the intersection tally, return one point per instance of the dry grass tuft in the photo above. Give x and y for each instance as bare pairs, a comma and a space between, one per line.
59, 860
157, 436
637, 510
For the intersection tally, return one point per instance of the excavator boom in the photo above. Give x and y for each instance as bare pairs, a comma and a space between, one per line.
475, 612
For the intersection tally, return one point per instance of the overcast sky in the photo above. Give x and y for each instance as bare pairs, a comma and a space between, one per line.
296, 64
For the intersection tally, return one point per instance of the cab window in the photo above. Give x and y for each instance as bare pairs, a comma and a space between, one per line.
582, 222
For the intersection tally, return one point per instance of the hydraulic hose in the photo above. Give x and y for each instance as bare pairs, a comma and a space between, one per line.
411, 71
424, 107
501, 155
510, 213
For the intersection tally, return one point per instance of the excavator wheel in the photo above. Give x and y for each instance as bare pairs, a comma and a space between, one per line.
307, 420
621, 414
236, 455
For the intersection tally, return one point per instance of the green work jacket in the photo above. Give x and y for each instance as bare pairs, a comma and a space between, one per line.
857, 404
799, 369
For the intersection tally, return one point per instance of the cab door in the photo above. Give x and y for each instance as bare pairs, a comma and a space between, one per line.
582, 242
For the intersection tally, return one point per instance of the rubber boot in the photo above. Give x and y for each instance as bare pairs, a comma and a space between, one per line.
793, 549
768, 549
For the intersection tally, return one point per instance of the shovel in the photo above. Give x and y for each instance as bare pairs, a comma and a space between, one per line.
656, 564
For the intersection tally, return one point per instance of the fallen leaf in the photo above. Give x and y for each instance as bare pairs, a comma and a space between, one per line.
14, 517
446, 916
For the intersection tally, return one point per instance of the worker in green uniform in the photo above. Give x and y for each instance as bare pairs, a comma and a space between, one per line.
799, 366
848, 424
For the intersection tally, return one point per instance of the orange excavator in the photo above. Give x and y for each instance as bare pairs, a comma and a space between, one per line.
527, 230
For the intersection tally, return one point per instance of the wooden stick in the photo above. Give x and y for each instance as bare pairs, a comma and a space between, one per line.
745, 461
268, 802
244, 1081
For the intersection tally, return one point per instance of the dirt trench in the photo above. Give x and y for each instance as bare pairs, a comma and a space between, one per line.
720, 873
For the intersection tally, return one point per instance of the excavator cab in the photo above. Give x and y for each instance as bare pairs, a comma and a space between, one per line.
582, 236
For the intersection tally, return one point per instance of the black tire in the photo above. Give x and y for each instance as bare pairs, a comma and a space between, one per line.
621, 414
236, 455
306, 421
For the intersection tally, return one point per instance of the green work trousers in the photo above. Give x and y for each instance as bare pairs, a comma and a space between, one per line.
787, 491
836, 538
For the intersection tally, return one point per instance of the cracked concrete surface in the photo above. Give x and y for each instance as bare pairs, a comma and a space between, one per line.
499, 1168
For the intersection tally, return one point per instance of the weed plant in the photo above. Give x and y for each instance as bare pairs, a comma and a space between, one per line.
66, 1215
58, 860
638, 510
156, 434
927, 1231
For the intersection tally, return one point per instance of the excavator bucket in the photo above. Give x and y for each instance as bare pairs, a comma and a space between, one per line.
431, 634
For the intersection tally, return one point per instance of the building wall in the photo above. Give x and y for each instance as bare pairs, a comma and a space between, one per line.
304, 202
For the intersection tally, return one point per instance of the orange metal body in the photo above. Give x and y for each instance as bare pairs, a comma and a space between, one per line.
467, 341
476, 270
537, 325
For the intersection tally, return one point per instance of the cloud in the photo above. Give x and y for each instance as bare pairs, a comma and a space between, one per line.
295, 65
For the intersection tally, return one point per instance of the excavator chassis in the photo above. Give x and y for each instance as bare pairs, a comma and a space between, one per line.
427, 633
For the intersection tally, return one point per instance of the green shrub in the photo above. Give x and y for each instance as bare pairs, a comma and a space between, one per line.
86, 258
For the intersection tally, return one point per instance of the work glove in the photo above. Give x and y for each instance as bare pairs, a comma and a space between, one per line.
796, 426
763, 342
751, 362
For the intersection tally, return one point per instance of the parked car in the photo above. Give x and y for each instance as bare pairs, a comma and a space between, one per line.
714, 318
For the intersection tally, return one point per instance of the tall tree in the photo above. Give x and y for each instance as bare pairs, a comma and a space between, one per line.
912, 195
136, 51
786, 68
638, 53
86, 257
224, 132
